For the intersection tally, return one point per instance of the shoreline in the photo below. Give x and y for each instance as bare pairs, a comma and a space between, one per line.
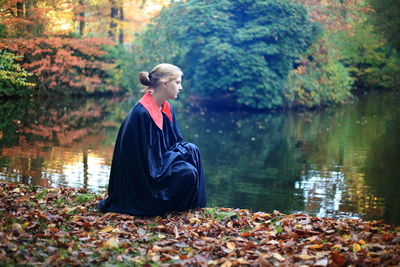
61, 226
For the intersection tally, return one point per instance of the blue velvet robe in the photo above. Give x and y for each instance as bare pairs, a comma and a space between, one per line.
153, 171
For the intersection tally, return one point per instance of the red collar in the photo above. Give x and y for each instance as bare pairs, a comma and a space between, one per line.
148, 103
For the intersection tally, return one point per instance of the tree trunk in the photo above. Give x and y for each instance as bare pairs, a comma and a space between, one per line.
20, 9
85, 170
113, 17
29, 4
82, 22
121, 28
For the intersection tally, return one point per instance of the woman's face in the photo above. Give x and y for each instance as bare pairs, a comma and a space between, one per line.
173, 87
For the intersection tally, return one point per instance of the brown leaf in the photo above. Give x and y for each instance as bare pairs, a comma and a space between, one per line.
263, 262
176, 232
338, 258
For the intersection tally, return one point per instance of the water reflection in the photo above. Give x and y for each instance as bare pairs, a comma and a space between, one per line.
54, 143
339, 162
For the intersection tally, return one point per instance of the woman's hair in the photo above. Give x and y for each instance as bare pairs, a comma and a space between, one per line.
163, 72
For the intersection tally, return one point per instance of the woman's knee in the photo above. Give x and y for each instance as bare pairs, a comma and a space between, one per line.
192, 147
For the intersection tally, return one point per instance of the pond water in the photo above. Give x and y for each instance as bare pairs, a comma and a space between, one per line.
340, 162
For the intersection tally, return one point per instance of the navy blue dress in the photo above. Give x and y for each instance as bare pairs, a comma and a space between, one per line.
153, 171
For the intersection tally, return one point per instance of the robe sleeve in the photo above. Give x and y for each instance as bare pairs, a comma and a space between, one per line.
161, 152
175, 127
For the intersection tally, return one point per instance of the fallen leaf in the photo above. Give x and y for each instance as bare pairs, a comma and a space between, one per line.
112, 243
231, 245
226, 264
106, 229
17, 227
347, 237
304, 257
16, 190
356, 247
321, 262
12, 247
75, 218
317, 246
338, 258
141, 231
68, 210
263, 262
194, 220
278, 256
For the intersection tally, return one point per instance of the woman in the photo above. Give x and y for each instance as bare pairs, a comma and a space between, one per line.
153, 171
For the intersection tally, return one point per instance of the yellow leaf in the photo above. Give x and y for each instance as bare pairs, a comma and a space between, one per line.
304, 257
25, 224
112, 243
231, 245
17, 227
194, 220
156, 248
316, 246
297, 226
361, 242
227, 264
75, 218
278, 256
106, 229
16, 190
356, 247
347, 237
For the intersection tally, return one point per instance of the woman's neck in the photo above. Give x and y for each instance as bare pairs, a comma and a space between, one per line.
158, 97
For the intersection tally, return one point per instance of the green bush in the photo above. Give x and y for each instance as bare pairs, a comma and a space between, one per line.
386, 20
370, 60
13, 78
124, 72
321, 81
241, 49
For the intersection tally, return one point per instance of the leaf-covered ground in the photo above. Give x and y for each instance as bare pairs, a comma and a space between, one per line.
42, 226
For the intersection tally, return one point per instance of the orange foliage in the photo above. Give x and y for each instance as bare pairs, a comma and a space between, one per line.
335, 16
64, 63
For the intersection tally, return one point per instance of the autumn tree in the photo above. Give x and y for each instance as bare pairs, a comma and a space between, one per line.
240, 50
351, 42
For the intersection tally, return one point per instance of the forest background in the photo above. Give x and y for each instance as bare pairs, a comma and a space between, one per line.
248, 53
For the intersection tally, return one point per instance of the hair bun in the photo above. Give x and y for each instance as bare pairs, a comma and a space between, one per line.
144, 78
